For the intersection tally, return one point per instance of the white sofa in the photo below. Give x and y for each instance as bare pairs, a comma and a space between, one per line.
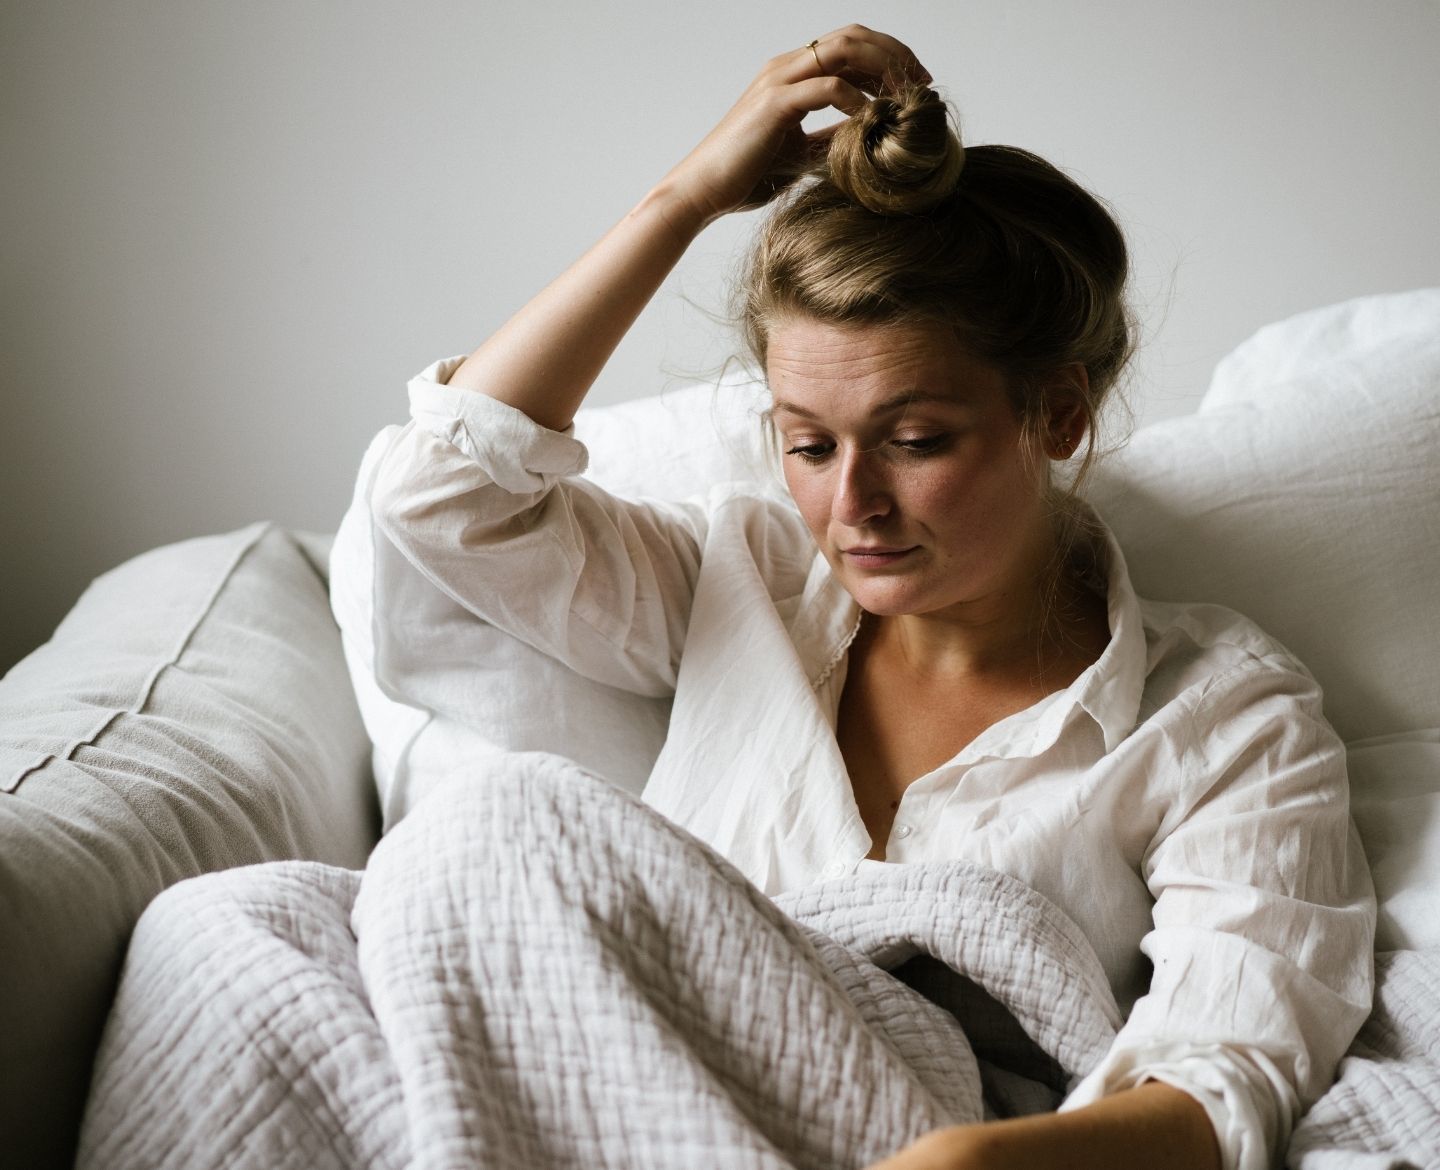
194, 711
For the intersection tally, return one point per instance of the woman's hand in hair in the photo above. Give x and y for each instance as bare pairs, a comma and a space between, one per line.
759, 147
545, 358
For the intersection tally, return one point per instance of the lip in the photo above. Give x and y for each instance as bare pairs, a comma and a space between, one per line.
876, 555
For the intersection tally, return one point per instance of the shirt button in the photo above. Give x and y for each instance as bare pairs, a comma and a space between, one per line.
836, 869
903, 830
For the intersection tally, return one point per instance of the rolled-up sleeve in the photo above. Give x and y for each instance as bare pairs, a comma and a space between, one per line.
487, 505
1264, 918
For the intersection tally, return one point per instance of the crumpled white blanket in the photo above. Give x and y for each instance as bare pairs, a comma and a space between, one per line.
1383, 1112
536, 970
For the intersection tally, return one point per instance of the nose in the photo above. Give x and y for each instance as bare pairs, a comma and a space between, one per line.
862, 493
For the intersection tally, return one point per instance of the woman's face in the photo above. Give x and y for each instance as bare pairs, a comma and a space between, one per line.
905, 457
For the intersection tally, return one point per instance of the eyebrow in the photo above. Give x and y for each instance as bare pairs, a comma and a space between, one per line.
889, 406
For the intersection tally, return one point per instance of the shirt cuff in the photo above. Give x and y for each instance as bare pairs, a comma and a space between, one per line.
1247, 1100
517, 453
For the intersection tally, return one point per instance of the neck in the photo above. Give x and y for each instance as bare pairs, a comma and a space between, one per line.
1039, 618
983, 637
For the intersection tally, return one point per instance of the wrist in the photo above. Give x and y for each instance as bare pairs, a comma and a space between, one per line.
955, 1147
684, 216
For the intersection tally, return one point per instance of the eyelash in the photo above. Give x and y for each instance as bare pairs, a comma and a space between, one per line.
913, 448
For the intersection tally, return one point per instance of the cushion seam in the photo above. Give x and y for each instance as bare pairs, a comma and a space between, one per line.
147, 688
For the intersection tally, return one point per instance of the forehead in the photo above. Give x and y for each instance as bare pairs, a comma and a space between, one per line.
816, 367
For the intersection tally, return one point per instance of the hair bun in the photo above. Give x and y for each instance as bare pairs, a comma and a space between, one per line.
899, 155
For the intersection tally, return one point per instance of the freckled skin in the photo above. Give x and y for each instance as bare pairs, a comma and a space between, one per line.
970, 507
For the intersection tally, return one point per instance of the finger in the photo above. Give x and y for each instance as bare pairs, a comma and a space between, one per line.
853, 47
873, 67
870, 60
823, 93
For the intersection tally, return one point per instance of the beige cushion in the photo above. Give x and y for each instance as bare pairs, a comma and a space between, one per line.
190, 714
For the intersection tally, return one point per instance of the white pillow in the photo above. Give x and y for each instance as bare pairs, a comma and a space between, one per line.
681, 443
1306, 494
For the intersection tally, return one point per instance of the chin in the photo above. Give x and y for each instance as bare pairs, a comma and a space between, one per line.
886, 599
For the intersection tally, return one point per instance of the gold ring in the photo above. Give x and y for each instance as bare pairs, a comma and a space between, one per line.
814, 52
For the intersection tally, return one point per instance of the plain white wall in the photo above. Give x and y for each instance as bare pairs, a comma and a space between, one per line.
232, 231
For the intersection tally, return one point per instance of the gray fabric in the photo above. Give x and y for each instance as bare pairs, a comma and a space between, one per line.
191, 713
536, 970
1383, 1113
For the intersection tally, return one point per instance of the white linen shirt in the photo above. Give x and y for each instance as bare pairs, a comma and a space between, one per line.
1183, 800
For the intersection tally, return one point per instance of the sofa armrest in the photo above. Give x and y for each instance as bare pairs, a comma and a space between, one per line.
192, 713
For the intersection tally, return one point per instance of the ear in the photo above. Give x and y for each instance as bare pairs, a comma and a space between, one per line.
1065, 416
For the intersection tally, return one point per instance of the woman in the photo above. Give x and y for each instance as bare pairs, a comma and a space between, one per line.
937, 652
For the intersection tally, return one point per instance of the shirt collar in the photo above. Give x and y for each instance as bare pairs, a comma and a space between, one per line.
1111, 688
826, 623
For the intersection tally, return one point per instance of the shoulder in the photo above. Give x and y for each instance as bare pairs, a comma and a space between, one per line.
1244, 717
1186, 661
1231, 701
1202, 652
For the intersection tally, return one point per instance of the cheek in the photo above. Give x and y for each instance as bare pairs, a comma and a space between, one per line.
944, 486
811, 497
997, 488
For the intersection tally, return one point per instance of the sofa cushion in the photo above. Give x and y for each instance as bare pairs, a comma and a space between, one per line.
191, 713
1305, 493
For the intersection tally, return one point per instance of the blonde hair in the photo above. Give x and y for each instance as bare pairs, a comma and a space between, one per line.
903, 224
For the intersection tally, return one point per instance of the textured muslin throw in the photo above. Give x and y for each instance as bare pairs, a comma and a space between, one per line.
543, 972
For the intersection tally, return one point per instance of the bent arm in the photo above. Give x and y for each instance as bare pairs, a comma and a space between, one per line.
1264, 915
1261, 947
485, 505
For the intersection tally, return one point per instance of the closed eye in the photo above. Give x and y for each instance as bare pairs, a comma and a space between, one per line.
819, 452
922, 446
812, 452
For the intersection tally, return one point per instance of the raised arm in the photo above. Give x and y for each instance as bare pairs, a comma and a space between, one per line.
484, 502
544, 359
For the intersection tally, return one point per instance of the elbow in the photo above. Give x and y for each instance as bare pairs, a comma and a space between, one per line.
409, 496
427, 498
